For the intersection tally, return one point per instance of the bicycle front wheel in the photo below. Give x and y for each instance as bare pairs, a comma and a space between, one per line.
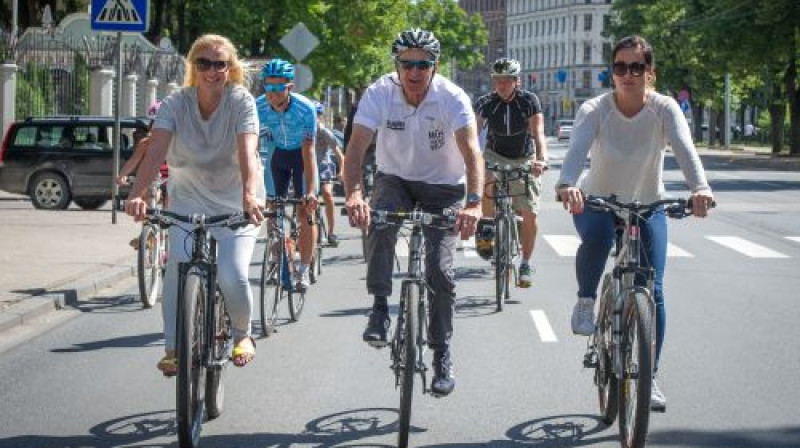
408, 356
191, 371
637, 381
501, 269
221, 344
604, 378
271, 284
148, 266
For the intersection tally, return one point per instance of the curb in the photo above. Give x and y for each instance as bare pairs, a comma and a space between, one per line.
65, 294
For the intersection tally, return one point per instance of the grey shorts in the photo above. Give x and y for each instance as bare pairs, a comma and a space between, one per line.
522, 200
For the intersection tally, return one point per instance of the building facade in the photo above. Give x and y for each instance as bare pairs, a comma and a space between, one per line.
476, 81
564, 56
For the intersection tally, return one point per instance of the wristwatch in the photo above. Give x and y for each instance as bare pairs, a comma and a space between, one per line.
473, 199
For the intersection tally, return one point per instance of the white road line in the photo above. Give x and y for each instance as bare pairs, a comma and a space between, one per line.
796, 239
675, 251
564, 245
468, 247
546, 333
746, 247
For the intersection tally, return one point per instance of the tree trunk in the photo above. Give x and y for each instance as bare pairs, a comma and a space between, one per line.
793, 95
777, 113
712, 124
697, 121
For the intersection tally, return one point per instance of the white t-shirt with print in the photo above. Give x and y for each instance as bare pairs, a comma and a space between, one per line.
417, 143
204, 173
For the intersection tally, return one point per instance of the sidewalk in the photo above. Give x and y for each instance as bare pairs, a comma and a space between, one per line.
754, 157
52, 259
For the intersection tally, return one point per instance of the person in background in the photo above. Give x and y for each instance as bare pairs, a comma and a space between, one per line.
327, 146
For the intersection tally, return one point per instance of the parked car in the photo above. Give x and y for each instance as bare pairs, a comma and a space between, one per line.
56, 160
564, 129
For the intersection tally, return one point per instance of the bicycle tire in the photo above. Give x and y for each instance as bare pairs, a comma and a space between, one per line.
148, 263
191, 371
271, 287
215, 386
604, 378
501, 262
408, 354
297, 300
364, 242
637, 339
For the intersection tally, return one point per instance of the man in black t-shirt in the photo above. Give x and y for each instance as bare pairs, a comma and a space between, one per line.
514, 136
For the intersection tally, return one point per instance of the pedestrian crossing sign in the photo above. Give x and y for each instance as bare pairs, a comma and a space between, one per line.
120, 15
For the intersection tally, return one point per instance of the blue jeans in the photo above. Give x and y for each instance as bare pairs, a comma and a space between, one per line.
596, 230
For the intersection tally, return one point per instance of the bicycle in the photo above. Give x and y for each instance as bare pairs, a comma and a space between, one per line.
151, 259
277, 266
409, 342
204, 339
506, 235
622, 348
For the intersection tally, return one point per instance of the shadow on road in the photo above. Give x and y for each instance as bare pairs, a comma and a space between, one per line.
137, 341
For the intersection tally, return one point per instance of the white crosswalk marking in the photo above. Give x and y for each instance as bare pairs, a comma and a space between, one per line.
675, 251
546, 333
469, 247
796, 239
746, 247
564, 245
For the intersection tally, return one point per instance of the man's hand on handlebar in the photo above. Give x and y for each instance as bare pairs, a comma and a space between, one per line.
467, 221
358, 211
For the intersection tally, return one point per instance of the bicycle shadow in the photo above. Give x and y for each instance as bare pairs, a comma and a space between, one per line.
475, 306
349, 428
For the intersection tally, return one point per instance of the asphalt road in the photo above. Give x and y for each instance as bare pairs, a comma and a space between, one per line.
729, 366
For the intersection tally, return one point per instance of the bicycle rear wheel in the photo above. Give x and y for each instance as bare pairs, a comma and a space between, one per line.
604, 378
408, 357
297, 298
501, 271
191, 371
148, 265
637, 382
271, 285
221, 344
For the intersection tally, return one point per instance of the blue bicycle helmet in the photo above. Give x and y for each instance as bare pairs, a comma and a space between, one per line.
277, 68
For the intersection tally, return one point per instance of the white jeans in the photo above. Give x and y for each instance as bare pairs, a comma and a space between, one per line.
234, 253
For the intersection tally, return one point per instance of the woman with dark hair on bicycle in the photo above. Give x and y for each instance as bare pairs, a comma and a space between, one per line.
208, 133
627, 132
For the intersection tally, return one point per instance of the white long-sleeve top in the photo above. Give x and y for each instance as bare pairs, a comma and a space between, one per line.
627, 154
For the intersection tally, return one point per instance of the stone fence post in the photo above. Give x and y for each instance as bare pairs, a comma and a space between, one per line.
8, 96
101, 91
128, 101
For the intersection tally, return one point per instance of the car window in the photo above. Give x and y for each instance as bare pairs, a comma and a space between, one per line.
88, 137
25, 137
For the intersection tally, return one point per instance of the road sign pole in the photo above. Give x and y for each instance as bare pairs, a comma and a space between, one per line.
117, 130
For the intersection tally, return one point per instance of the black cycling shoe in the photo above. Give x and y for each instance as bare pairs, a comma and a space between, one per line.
377, 329
443, 382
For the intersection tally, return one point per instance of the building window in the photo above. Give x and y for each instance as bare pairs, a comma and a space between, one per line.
587, 79
606, 22
587, 22
587, 53
574, 23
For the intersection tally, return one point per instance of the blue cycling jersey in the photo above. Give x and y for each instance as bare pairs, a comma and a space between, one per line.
289, 129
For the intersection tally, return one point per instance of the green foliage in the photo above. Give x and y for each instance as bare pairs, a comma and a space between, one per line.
460, 36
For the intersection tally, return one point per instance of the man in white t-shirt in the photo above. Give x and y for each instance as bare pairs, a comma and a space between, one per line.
427, 153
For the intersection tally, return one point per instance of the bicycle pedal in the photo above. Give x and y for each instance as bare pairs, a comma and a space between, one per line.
377, 344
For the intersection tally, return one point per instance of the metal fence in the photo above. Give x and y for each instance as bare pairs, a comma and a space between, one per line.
54, 71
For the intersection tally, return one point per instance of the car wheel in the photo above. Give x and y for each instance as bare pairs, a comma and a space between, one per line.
90, 203
50, 191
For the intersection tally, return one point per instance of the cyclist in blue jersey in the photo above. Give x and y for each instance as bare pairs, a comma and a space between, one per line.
288, 129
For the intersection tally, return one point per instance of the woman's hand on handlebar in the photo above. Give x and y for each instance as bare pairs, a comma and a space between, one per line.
572, 199
136, 207
252, 207
701, 202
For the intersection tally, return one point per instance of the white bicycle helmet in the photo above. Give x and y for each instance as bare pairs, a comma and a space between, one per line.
416, 38
505, 67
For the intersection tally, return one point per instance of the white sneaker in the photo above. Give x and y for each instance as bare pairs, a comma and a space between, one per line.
303, 280
583, 316
658, 403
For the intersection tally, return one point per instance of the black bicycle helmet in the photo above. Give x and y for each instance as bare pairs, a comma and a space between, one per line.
416, 38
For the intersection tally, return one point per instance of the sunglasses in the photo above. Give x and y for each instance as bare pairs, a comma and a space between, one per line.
275, 87
204, 65
422, 65
635, 68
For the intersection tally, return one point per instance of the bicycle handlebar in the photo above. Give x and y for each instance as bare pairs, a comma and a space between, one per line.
166, 218
445, 220
674, 208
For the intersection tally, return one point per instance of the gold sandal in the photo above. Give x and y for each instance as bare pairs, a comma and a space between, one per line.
168, 365
242, 355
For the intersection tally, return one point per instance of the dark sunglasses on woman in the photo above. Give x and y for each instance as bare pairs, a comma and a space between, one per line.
635, 68
204, 65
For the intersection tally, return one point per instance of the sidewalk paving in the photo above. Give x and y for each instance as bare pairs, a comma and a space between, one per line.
53, 259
